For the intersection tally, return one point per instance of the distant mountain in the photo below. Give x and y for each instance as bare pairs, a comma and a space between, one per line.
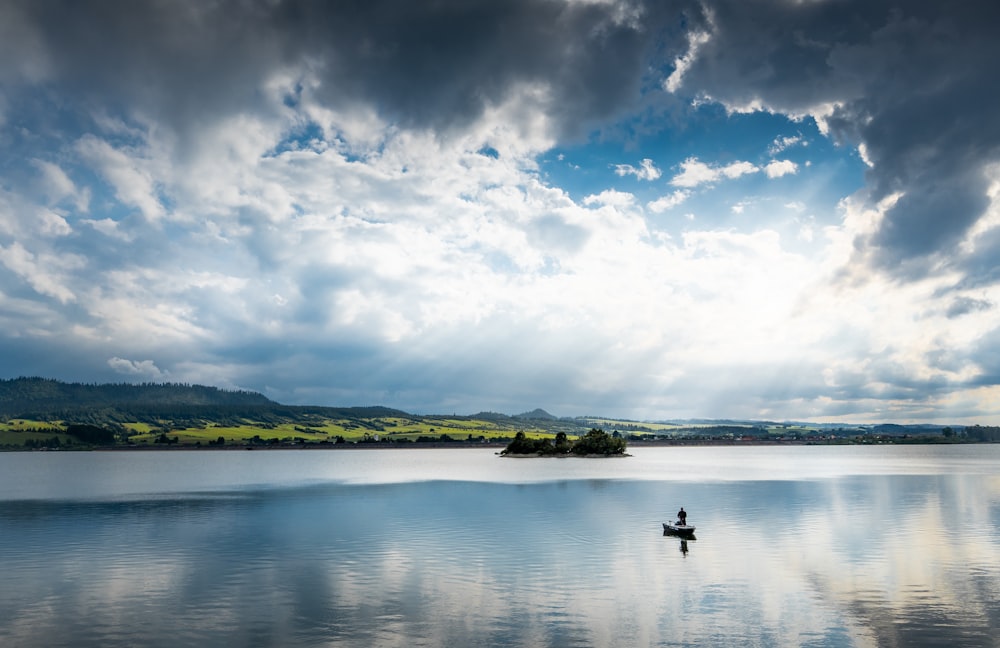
536, 415
714, 422
490, 416
22, 396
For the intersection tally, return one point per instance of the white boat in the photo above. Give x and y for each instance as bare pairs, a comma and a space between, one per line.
676, 528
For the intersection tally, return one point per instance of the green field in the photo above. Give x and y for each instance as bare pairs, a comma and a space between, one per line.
311, 427
15, 432
317, 429
20, 425
375, 430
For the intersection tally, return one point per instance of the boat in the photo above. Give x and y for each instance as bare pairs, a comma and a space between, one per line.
676, 528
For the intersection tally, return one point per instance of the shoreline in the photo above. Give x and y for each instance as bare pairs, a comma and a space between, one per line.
488, 444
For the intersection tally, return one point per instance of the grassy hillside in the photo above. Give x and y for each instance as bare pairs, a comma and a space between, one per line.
290, 428
39, 411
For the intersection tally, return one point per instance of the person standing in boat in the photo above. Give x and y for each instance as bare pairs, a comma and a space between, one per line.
682, 516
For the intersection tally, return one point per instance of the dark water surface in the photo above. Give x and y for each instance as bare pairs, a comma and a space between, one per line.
807, 546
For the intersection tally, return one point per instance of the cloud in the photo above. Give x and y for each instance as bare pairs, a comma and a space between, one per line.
696, 38
906, 83
669, 201
57, 186
780, 168
440, 65
646, 171
695, 172
611, 198
108, 227
49, 275
965, 305
128, 174
136, 368
781, 144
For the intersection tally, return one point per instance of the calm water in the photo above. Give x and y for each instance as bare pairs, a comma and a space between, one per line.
802, 546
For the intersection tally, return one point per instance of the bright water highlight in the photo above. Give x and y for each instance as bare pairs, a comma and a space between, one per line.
817, 546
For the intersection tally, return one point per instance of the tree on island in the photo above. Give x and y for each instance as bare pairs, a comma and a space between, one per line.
522, 445
595, 442
599, 442
563, 444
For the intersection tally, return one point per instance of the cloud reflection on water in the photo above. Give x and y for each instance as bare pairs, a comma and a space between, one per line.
858, 560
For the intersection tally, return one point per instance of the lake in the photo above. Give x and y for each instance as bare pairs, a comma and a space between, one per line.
795, 546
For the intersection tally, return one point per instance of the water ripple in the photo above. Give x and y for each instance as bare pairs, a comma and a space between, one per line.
854, 561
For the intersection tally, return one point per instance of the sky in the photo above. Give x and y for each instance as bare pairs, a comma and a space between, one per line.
753, 209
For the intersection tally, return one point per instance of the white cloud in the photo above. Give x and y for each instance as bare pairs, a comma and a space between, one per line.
146, 369
610, 197
57, 186
781, 144
669, 201
646, 171
780, 168
737, 169
696, 39
48, 274
130, 174
52, 224
863, 154
108, 227
695, 172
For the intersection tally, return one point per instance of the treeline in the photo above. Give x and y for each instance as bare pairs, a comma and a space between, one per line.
34, 396
712, 431
52, 443
594, 442
987, 433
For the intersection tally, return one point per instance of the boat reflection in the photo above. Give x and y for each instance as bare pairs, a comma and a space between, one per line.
684, 538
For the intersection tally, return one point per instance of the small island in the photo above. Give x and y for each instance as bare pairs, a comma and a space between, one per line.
595, 443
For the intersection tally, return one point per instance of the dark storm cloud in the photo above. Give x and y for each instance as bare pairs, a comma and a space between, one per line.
417, 63
913, 81
165, 58
437, 62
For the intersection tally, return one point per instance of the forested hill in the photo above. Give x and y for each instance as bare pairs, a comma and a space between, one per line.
23, 396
